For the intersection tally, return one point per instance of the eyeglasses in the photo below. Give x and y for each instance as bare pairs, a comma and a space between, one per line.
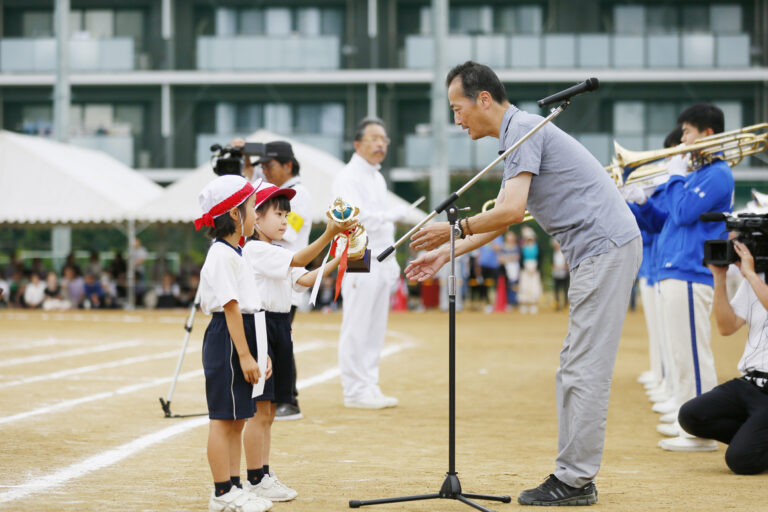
378, 138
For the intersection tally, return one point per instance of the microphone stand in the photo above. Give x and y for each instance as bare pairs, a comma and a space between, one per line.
451, 487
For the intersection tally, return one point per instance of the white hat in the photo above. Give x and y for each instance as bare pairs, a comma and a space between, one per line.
220, 196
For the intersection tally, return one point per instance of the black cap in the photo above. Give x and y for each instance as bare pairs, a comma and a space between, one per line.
280, 150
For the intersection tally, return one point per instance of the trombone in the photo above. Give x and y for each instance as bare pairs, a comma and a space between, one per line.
489, 204
646, 167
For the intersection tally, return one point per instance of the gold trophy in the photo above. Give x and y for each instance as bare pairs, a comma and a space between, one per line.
358, 255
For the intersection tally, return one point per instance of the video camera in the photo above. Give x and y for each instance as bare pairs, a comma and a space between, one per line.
752, 229
230, 159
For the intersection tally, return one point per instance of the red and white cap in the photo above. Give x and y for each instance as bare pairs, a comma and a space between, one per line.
220, 196
265, 191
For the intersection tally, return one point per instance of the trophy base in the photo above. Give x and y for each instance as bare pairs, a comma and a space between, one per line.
361, 265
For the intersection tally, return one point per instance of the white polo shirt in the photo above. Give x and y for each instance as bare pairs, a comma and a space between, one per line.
270, 266
226, 277
296, 237
747, 306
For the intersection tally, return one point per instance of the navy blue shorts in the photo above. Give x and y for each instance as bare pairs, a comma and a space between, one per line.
279, 387
226, 390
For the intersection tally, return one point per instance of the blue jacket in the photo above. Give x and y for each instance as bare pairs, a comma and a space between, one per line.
674, 214
648, 267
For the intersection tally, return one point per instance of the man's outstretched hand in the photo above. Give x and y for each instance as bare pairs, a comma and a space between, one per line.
425, 266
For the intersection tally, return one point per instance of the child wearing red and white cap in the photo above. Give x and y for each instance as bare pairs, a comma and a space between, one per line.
277, 271
229, 292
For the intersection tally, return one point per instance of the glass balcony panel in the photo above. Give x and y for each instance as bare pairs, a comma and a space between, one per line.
486, 150
118, 146
664, 51
629, 117
459, 48
599, 144
628, 51
294, 52
698, 50
594, 51
418, 150
459, 151
525, 51
732, 51
725, 19
332, 119
560, 51
491, 51
418, 52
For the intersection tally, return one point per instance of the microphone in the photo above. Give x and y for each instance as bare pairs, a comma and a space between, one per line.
590, 84
713, 217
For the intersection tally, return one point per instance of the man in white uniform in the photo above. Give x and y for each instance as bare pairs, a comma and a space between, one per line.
280, 167
366, 295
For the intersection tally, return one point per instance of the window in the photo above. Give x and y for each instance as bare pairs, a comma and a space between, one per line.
279, 21
37, 24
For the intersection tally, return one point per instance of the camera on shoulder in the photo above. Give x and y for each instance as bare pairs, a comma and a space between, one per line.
230, 159
752, 229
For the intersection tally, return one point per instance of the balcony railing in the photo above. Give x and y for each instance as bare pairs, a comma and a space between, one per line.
263, 52
588, 50
333, 144
26, 55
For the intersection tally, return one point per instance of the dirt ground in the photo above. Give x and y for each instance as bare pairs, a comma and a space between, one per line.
82, 428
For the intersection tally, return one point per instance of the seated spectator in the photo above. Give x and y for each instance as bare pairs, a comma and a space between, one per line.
34, 291
94, 294
74, 287
5, 290
736, 412
109, 287
189, 289
94, 264
168, 292
16, 288
54, 294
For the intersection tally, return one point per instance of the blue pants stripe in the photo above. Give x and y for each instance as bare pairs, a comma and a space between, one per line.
694, 351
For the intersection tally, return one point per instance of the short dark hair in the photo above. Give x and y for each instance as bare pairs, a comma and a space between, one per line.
224, 225
476, 78
296, 166
280, 202
674, 137
365, 122
703, 116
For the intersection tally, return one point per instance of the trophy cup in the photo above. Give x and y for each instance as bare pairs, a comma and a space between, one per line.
358, 254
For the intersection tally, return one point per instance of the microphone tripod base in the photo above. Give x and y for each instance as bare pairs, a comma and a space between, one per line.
450, 490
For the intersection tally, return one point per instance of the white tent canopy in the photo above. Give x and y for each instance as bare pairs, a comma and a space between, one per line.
178, 203
44, 181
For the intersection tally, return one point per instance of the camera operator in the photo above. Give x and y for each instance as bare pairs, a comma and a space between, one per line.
736, 412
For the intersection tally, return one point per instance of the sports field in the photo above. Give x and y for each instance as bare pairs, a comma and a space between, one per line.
82, 428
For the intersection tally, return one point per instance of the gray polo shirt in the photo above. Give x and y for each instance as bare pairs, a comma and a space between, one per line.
571, 195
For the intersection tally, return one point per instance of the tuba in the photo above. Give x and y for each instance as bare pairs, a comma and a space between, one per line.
646, 167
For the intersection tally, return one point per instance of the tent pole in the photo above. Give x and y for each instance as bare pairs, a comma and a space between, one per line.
131, 277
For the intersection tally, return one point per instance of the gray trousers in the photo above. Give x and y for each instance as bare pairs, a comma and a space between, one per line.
599, 297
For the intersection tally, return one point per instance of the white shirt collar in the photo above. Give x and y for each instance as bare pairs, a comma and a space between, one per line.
295, 180
359, 161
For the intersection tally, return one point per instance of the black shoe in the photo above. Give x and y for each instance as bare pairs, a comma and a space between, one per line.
555, 492
288, 412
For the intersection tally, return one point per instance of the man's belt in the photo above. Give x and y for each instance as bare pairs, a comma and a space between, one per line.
758, 378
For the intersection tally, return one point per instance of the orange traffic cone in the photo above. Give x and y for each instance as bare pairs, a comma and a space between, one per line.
400, 300
501, 295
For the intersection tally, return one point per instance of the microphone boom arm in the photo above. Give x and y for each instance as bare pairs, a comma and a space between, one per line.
450, 199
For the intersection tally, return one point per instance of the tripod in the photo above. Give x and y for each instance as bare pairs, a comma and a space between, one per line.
451, 488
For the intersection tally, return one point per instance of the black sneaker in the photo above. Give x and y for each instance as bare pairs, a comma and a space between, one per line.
555, 492
288, 412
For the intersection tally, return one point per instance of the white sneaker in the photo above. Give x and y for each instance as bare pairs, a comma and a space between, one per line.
389, 400
659, 396
670, 417
273, 476
270, 489
368, 403
237, 500
247, 487
669, 429
688, 444
665, 407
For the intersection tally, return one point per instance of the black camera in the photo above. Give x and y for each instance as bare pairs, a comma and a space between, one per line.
752, 229
230, 159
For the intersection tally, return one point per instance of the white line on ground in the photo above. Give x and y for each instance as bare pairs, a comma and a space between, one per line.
26, 345
109, 457
67, 404
70, 353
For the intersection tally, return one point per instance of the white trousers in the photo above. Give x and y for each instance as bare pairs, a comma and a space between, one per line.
363, 328
685, 309
648, 296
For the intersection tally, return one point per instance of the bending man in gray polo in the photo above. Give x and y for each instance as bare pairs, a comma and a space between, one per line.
571, 196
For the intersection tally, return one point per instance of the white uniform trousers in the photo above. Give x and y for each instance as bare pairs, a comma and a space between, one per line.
685, 309
648, 296
363, 328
